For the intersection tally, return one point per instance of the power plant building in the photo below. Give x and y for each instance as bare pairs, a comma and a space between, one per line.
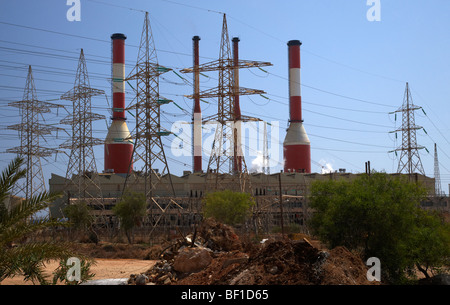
190, 188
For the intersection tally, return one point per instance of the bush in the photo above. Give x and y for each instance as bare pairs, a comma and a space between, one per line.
380, 216
79, 215
131, 210
228, 207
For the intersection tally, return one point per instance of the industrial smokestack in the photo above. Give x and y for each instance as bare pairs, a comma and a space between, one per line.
237, 151
118, 145
296, 145
197, 116
236, 104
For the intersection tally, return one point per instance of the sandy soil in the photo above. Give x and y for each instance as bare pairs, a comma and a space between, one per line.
104, 269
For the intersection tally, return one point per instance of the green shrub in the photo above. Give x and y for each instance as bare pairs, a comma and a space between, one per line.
228, 207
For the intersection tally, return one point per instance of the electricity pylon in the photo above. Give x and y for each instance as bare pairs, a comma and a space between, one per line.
30, 131
409, 162
81, 174
226, 154
148, 133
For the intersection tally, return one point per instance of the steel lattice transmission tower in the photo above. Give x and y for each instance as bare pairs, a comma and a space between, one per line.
226, 153
81, 169
148, 133
30, 131
437, 175
409, 162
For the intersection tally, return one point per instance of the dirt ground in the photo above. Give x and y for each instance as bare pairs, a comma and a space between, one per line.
290, 260
104, 269
113, 260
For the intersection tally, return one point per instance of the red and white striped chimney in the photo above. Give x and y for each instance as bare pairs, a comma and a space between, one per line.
118, 145
296, 145
237, 133
197, 116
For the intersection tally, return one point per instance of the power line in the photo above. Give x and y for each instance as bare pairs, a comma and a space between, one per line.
88, 38
53, 32
262, 32
347, 120
331, 107
101, 40
119, 6
350, 142
335, 94
106, 62
192, 6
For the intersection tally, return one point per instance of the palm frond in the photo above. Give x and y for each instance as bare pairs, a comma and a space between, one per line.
26, 209
29, 259
10, 176
24, 228
18, 256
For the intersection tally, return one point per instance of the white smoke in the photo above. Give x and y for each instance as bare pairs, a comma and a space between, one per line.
327, 167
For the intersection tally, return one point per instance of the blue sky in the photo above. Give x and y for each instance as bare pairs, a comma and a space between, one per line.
353, 71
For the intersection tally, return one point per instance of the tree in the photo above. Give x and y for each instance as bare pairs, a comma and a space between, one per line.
430, 243
79, 215
81, 218
17, 256
130, 210
227, 206
380, 216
